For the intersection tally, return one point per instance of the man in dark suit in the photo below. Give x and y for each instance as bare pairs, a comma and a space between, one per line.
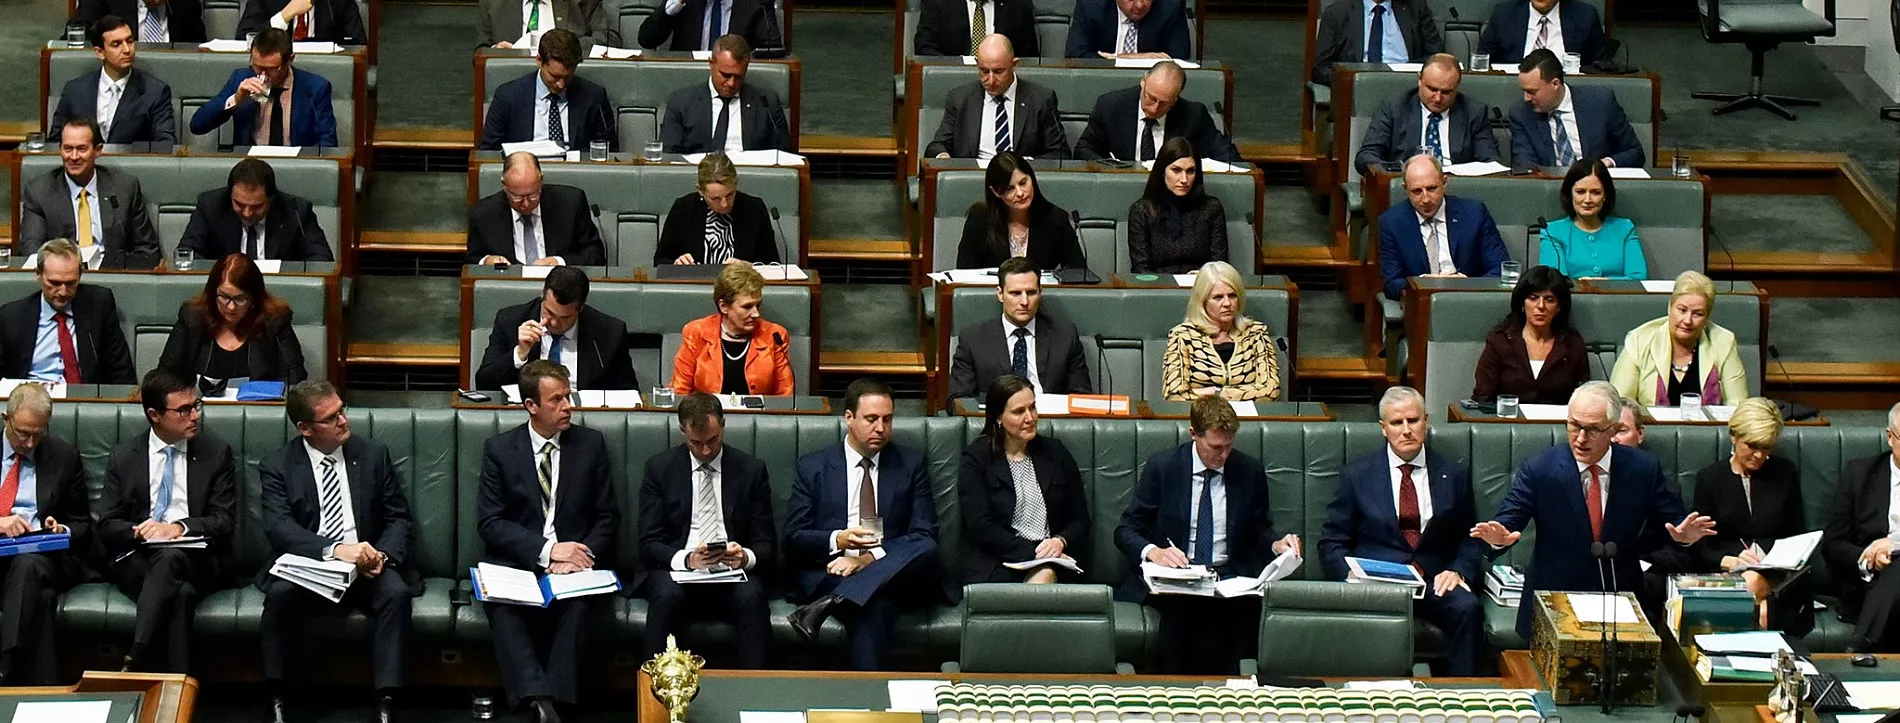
1857, 543
861, 534
332, 496
1562, 26
698, 24
253, 100
1453, 126
1407, 30
1112, 131
504, 23
1590, 490
68, 332
1559, 124
1413, 506
528, 222
590, 344
98, 207
44, 491
1202, 503
250, 216
946, 27
749, 118
131, 105
1028, 343
336, 21
155, 21
1436, 234
546, 505
552, 103
970, 127
1129, 29
142, 510
706, 507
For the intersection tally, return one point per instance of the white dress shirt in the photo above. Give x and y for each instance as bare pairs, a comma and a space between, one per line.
93, 201
989, 15
695, 534
1893, 513
547, 17
540, 237
1583, 474
1425, 129
1160, 132
180, 507
851, 519
110, 93
1421, 483
348, 514
535, 443
1570, 129
165, 22
1122, 25
735, 128
1009, 348
309, 20
986, 135
1555, 39
263, 240
570, 354
541, 113
282, 118
1439, 257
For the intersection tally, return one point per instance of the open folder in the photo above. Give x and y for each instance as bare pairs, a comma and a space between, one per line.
499, 584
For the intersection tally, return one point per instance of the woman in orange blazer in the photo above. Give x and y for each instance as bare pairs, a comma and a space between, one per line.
734, 351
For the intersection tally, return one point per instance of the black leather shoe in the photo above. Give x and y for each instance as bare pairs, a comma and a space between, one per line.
279, 709
544, 711
808, 618
385, 709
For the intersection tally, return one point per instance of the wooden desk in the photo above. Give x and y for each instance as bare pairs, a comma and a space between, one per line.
162, 698
808, 405
1458, 413
1144, 409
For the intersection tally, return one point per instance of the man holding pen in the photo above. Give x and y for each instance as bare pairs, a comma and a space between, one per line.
1214, 499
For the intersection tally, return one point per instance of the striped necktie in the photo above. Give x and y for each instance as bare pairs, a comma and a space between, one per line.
332, 499
706, 516
1002, 123
544, 472
153, 29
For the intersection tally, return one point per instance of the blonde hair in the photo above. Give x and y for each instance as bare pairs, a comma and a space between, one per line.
736, 280
60, 247
1756, 422
1211, 273
1209, 412
1693, 282
29, 397
717, 168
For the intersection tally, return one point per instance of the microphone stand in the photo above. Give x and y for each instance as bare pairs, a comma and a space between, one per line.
1609, 654
1598, 551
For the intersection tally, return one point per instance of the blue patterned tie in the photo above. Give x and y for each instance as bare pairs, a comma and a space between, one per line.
556, 132
1002, 124
1204, 521
164, 503
1019, 359
1565, 156
153, 29
1433, 142
1375, 40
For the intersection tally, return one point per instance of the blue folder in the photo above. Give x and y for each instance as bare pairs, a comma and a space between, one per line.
35, 542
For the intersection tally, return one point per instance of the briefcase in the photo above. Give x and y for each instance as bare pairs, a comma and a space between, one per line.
1568, 653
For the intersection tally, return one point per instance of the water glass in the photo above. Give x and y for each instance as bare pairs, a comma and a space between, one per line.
1508, 273
184, 259
35, 142
1507, 406
1691, 406
1480, 62
661, 397
6, 257
1679, 166
75, 36
597, 151
653, 151
249, 39
1573, 63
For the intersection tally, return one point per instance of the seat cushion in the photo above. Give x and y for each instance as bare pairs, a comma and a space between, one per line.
1500, 627
1777, 19
97, 608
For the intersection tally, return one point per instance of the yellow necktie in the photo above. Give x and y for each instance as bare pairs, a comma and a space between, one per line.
85, 219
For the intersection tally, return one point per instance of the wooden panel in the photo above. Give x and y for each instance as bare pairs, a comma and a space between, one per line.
865, 249
404, 353
871, 362
834, 145
429, 138
418, 241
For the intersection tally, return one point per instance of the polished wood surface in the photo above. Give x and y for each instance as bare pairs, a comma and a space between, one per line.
169, 697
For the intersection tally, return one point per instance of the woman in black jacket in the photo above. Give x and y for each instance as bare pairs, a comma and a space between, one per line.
1175, 227
235, 329
1014, 219
1755, 498
1021, 494
717, 223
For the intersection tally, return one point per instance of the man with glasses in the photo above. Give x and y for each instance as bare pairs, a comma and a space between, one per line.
1590, 490
1859, 527
166, 517
68, 332
333, 496
43, 490
534, 223
270, 103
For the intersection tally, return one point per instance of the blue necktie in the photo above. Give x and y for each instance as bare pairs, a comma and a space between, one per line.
713, 29
1375, 40
1565, 156
1019, 359
165, 486
1002, 123
554, 348
1204, 521
1432, 140
557, 131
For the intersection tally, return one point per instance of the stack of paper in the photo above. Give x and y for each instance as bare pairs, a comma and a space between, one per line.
327, 578
781, 272
1747, 642
1477, 168
608, 52
54, 389
274, 151
302, 47
605, 398
1245, 409
1366, 570
580, 584
1506, 585
1190, 580
1065, 562
540, 149
1602, 609
1788, 553
1285, 564
1620, 173
689, 577
225, 45
186, 542
1544, 412
499, 584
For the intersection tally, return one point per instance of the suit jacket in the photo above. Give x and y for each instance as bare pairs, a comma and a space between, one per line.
1602, 130
104, 357
60, 493
689, 123
606, 359
567, 227
273, 352
337, 21
210, 489
666, 508
1160, 511
1111, 129
126, 229
291, 232
511, 117
508, 509
700, 365
1399, 127
1548, 492
749, 19
144, 114
186, 21
987, 493
1342, 34
1856, 516
1505, 367
1362, 520
1644, 360
501, 22
312, 120
1052, 240
293, 506
984, 353
817, 509
943, 27
1769, 511
1035, 129
754, 238
1510, 24
1476, 247
1163, 30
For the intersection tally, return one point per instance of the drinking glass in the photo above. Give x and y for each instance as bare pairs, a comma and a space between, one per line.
1691, 405
661, 397
1508, 273
1573, 63
597, 151
653, 151
6, 257
1679, 166
35, 142
75, 36
184, 259
1480, 62
1507, 406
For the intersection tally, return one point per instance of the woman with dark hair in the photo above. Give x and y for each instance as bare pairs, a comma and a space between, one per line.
235, 329
1534, 353
1589, 242
1013, 219
1021, 493
1175, 226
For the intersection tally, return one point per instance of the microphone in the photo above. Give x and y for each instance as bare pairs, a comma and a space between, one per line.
1609, 653
1789, 410
1594, 348
114, 200
1532, 233
1598, 551
1101, 360
779, 339
1083, 275
1717, 238
783, 257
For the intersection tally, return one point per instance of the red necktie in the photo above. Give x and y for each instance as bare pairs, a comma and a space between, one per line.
303, 28
1593, 499
68, 354
1408, 507
10, 489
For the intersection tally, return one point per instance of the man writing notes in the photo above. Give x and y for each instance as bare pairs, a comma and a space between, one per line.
957, 27
1413, 506
131, 105
1130, 124
726, 114
1374, 31
698, 24
1028, 343
1454, 127
68, 332
251, 216
559, 327
173, 482
706, 507
530, 222
271, 103
102, 209
1129, 29
547, 505
1559, 124
553, 103
1202, 503
1860, 525
999, 112
43, 490
332, 495
1587, 491
1436, 234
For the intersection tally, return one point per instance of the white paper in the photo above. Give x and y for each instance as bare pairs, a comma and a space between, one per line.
1242, 683
964, 276
540, 149
781, 272
1211, 165
314, 46
914, 695
609, 398
694, 158
1282, 566
1150, 62
1544, 412
1597, 608
969, 60
1662, 286
1052, 404
56, 390
535, 271
1859, 717
1872, 694
1245, 409
767, 157
32, 262
1185, 281
1092, 404
689, 577
1751, 642
1718, 412
270, 266
1405, 67
63, 711
274, 151
577, 584
771, 716
1163, 572
1666, 414
1757, 664
702, 55
334, 567
1064, 562
1617, 172
506, 584
608, 52
1477, 168
512, 393
1380, 685
225, 45
1792, 552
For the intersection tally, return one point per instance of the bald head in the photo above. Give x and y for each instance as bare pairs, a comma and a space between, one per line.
521, 181
1161, 88
1425, 184
996, 64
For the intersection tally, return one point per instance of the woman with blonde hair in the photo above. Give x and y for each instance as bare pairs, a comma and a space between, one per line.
734, 350
1218, 350
1755, 498
1682, 353
717, 223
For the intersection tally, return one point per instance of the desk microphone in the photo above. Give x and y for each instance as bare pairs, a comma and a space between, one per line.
783, 257
1789, 410
1083, 275
1599, 551
1532, 233
1101, 360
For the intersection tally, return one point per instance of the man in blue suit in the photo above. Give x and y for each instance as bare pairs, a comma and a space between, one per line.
1559, 124
1436, 235
1128, 29
271, 103
861, 533
1413, 506
553, 103
1202, 503
1591, 490
1562, 26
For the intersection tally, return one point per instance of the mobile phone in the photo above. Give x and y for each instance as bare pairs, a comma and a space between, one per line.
752, 401
715, 544
1523, 170
1477, 406
474, 396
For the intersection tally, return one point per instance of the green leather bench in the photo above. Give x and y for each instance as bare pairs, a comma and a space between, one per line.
1052, 33
652, 309
1477, 13
633, 200
628, 14
172, 183
637, 88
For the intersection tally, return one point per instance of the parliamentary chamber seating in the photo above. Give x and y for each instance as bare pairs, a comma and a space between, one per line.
222, 16
1052, 34
636, 88
626, 15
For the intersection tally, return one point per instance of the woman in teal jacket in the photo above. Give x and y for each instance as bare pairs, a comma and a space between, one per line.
1589, 242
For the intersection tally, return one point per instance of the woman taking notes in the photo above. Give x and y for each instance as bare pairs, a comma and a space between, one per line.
716, 223
1589, 242
1021, 493
1218, 350
1682, 353
734, 351
1014, 219
1755, 498
235, 330
1175, 226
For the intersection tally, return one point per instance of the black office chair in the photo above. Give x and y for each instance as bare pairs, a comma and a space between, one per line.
1892, 112
1761, 25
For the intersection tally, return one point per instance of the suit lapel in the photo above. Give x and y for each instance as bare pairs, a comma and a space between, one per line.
1356, 34
1045, 342
127, 100
363, 495
197, 477
730, 490
887, 484
303, 481
1516, 27
1454, 224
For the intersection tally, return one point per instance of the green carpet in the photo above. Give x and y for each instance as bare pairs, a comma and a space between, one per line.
1784, 223
857, 209
412, 201
1327, 328
1266, 56
25, 26
845, 61
415, 309
1291, 220
426, 72
869, 317
1814, 329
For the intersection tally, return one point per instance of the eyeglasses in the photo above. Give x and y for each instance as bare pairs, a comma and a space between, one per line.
334, 418
238, 300
524, 197
186, 410
1574, 427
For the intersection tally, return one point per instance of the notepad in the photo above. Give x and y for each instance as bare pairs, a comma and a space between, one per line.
699, 577
1618, 172
540, 149
1405, 67
1245, 409
274, 151
608, 398
1545, 412
303, 47
781, 272
63, 711
1150, 62
914, 695
1062, 562
607, 52
226, 45
1477, 168
1603, 609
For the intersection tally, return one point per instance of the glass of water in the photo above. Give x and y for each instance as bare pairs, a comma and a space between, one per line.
35, 142
1573, 63
184, 259
661, 397
1691, 405
75, 36
597, 151
1508, 273
1480, 62
1679, 166
6, 257
1507, 406
653, 151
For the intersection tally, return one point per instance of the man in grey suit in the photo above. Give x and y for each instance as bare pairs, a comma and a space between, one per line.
92, 205
971, 127
503, 22
1436, 117
131, 105
1027, 343
749, 119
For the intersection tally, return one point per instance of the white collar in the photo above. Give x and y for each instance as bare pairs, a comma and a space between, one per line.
714, 92
317, 458
106, 81
1565, 106
92, 185
1438, 215
1200, 466
1604, 463
1010, 327
1393, 461
1120, 18
1553, 15
154, 445
536, 441
1008, 93
717, 463
519, 215
852, 458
